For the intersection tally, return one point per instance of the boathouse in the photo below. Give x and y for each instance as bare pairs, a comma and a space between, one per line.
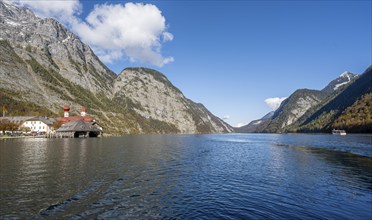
78, 126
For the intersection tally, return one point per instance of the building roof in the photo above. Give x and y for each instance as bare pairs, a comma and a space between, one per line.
21, 119
74, 118
45, 120
17, 119
79, 125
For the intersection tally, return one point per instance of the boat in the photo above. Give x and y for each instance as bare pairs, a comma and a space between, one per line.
338, 132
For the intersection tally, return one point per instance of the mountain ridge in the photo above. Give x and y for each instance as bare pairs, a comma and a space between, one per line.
46, 66
336, 106
304, 105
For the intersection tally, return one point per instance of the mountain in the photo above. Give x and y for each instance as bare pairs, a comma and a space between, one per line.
43, 66
268, 116
256, 125
357, 117
48, 43
301, 104
351, 109
336, 84
293, 108
151, 95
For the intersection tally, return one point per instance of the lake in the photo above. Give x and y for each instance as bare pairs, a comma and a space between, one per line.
229, 176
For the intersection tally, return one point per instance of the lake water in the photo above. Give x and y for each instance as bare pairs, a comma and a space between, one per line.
229, 176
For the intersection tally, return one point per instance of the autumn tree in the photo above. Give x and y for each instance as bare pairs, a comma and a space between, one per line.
6, 125
56, 125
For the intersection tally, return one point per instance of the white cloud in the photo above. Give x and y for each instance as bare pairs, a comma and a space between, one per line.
63, 10
136, 31
274, 103
133, 31
167, 36
240, 125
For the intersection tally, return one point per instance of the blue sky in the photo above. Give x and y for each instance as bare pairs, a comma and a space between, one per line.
232, 55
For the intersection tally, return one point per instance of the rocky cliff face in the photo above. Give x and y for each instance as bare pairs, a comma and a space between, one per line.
349, 109
337, 84
54, 47
293, 108
43, 66
154, 97
299, 106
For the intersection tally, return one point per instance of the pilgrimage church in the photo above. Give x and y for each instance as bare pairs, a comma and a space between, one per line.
78, 126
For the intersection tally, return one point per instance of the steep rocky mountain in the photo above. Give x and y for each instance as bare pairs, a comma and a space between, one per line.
152, 96
303, 101
43, 66
268, 116
302, 104
256, 126
48, 43
293, 108
344, 79
350, 109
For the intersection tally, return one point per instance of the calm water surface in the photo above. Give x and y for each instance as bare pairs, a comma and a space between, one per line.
187, 177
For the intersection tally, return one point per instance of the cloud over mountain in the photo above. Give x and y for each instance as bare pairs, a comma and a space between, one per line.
133, 31
64, 11
275, 102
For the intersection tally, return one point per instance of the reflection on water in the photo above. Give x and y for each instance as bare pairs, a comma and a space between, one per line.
187, 176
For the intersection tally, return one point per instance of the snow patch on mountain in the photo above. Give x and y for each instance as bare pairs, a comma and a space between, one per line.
257, 122
341, 84
343, 75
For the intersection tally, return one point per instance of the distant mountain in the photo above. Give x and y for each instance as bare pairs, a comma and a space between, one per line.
256, 126
301, 105
344, 79
43, 66
293, 108
268, 116
351, 109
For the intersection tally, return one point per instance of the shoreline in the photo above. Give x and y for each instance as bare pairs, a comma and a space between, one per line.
113, 135
20, 137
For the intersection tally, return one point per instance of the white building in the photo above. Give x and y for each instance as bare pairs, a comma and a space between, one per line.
17, 120
41, 125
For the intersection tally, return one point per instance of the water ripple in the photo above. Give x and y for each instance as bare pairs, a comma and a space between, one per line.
187, 177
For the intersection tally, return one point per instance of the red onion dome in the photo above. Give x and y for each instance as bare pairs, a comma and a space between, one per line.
66, 108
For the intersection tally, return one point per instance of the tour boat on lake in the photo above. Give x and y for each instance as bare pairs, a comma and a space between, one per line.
338, 132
